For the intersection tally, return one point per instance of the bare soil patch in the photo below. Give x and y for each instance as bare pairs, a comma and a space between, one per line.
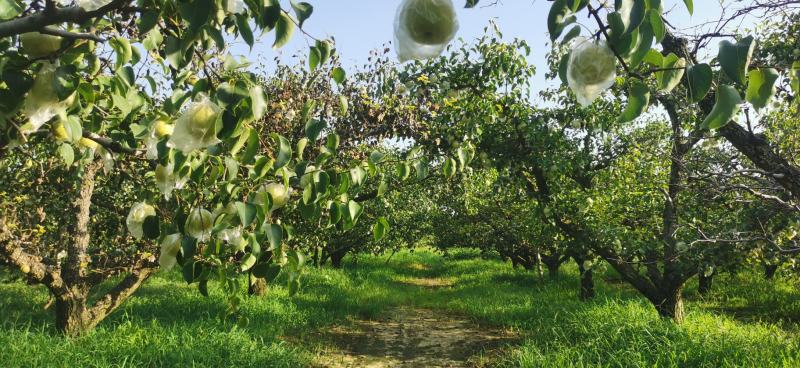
428, 282
412, 337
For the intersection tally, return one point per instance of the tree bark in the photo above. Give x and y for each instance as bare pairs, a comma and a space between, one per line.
552, 267
587, 281
337, 257
762, 154
705, 283
73, 317
71, 284
257, 287
756, 147
670, 305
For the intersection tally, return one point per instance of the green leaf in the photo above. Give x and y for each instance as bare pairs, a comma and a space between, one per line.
633, 12
376, 157
197, 13
174, 52
301, 147
248, 261
644, 41
153, 40
689, 6
726, 107
563, 65
247, 213
380, 229
267, 271
191, 271
421, 167
147, 21
313, 58
284, 151
654, 58
463, 158
558, 18
794, 77
573, 32
403, 171
699, 78
449, 168
283, 31
274, 236
471, 3
761, 87
244, 29
324, 48
303, 11
354, 210
67, 153
357, 175
383, 187
10, 9
65, 81
669, 79
638, 100
577, 5
296, 259
332, 142
344, 105
75, 128
308, 110
313, 129
258, 102
338, 74
735, 58
151, 227
656, 24
122, 47
617, 25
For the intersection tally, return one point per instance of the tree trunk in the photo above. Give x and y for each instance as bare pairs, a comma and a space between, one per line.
552, 263
552, 270
769, 271
258, 287
337, 257
539, 269
670, 305
587, 282
705, 283
73, 317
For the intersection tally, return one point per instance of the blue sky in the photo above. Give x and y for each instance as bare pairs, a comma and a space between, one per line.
363, 25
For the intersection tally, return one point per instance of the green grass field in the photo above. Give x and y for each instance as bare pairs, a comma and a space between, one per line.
746, 321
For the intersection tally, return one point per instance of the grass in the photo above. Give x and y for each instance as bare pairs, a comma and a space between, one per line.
746, 321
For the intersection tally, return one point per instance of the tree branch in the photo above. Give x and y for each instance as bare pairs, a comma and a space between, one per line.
38, 21
30, 265
71, 35
122, 291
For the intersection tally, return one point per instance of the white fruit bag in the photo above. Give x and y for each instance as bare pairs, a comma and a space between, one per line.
423, 28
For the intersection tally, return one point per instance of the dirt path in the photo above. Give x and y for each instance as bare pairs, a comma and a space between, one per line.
411, 337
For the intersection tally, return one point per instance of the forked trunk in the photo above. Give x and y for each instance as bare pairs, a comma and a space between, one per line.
73, 317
